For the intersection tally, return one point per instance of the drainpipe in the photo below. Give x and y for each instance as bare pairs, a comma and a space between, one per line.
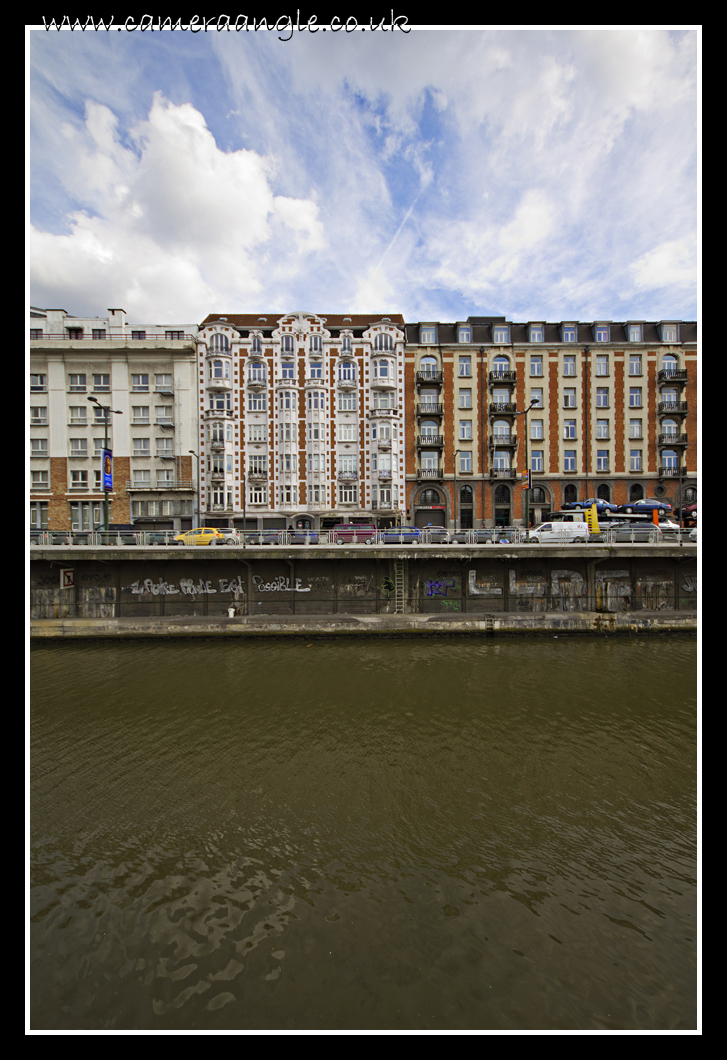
587, 388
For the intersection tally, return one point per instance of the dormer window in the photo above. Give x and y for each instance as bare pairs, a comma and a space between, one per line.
568, 333
428, 335
536, 332
669, 332
635, 333
465, 334
501, 334
601, 332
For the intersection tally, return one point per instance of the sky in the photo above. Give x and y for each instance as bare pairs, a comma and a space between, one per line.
542, 174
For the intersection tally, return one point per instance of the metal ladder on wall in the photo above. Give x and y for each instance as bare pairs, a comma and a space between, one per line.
399, 587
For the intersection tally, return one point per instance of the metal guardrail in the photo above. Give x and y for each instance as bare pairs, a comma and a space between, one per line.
393, 536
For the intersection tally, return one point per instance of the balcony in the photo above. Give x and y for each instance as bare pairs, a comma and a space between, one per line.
509, 376
383, 383
430, 441
672, 406
503, 472
347, 383
175, 484
507, 440
217, 384
423, 378
671, 472
348, 476
426, 474
384, 443
672, 375
672, 439
392, 410
257, 382
429, 410
257, 476
497, 408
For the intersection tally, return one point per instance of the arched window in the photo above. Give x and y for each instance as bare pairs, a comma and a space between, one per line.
347, 370
690, 495
383, 342
636, 493
603, 492
428, 365
538, 495
429, 497
669, 458
220, 342
501, 429
346, 344
381, 369
429, 428
570, 493
219, 370
501, 364
257, 346
465, 495
669, 427
669, 362
502, 495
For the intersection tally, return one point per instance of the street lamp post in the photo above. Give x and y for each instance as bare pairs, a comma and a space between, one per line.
456, 454
526, 491
106, 410
199, 514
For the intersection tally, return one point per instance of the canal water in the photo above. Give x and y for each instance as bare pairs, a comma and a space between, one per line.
413, 834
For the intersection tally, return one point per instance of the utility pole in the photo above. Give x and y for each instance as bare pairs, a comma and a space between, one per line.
105, 471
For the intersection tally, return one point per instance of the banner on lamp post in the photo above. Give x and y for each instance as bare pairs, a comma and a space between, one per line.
107, 470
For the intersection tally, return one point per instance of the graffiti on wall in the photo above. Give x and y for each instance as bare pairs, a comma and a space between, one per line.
439, 587
281, 584
689, 585
482, 588
187, 586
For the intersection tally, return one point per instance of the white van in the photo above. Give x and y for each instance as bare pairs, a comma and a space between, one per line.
560, 533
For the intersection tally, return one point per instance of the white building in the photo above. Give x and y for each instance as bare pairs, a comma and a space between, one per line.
145, 375
301, 419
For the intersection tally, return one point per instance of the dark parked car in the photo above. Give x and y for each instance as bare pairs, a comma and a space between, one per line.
436, 535
400, 535
583, 506
302, 537
267, 537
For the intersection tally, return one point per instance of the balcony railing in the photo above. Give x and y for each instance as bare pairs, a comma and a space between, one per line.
176, 484
429, 473
392, 410
148, 336
430, 441
347, 476
429, 410
672, 439
503, 472
671, 472
498, 407
257, 476
503, 439
672, 375
509, 376
672, 406
429, 377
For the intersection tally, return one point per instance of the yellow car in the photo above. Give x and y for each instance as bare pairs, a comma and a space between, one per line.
202, 535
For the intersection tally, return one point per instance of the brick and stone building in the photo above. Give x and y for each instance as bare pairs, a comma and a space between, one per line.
301, 419
146, 375
612, 413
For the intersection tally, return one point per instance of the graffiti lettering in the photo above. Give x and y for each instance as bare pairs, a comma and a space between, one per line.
235, 586
690, 583
160, 588
439, 588
279, 585
476, 588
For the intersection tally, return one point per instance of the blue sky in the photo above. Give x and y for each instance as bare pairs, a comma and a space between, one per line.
539, 174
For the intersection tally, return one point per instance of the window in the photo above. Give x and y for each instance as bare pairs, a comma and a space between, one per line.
430, 460
288, 370
79, 480
569, 366
288, 462
465, 462
136, 335
139, 413
315, 432
39, 447
536, 460
381, 369
669, 458
569, 429
346, 344
536, 365
346, 432
603, 492
501, 430
569, 334
536, 429
349, 464
383, 342
635, 460
501, 460
348, 493
163, 381
316, 344
164, 414
465, 366
77, 382
669, 427
223, 402
258, 493
569, 460
465, 430
316, 370
39, 515
602, 397
317, 494
38, 415
570, 493
668, 333
218, 370
427, 336
501, 396
347, 402
536, 334
257, 346
256, 373
36, 333
347, 371
288, 344
102, 383
172, 335
141, 446
39, 480
286, 432
602, 366
501, 335
538, 495
37, 384
602, 460
635, 429
219, 343
635, 397
98, 446
165, 447
465, 399
569, 398
602, 430
140, 382
75, 333
634, 332
256, 402
669, 363
77, 414
165, 477
429, 429
316, 462
536, 395
79, 447
465, 335
257, 433
85, 515
635, 364
602, 333
428, 366
141, 478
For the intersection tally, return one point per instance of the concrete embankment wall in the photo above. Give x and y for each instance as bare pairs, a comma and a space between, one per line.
123, 591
